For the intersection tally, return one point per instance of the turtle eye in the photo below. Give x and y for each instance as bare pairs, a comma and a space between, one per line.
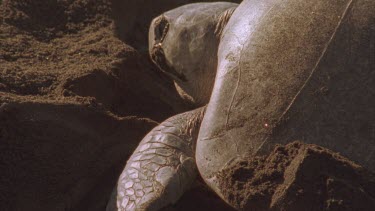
161, 29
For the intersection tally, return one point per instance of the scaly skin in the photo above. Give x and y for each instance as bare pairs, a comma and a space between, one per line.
163, 166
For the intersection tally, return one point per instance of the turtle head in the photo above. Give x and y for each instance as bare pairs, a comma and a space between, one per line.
184, 42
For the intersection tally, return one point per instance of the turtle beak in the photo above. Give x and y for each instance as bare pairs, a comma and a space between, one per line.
157, 34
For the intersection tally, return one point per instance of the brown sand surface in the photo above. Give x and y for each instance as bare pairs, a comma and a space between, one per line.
59, 155
68, 48
78, 93
298, 177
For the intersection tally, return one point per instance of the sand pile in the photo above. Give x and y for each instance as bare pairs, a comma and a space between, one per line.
68, 48
299, 177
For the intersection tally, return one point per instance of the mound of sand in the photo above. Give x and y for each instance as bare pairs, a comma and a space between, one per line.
298, 177
68, 48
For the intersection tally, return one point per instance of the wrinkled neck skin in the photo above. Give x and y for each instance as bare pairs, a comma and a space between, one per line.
184, 44
198, 92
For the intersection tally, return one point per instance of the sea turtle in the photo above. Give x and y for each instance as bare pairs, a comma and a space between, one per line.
285, 70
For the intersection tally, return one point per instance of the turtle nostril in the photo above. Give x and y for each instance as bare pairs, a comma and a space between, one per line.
158, 45
161, 29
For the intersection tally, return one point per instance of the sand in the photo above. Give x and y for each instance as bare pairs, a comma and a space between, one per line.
298, 177
75, 101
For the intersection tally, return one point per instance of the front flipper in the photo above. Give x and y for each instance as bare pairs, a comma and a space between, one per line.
163, 166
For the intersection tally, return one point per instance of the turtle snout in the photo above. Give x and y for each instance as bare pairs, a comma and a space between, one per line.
158, 57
